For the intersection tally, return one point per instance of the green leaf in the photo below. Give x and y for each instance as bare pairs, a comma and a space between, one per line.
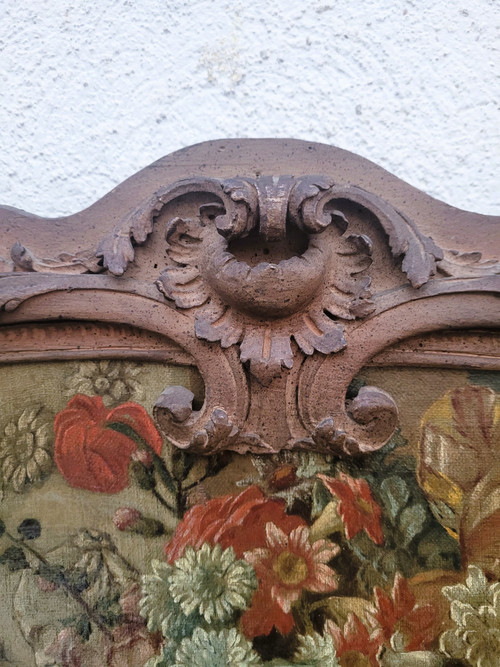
320, 498
52, 573
412, 521
395, 493
486, 379
144, 477
109, 609
13, 557
182, 463
84, 627
126, 430
158, 462
78, 580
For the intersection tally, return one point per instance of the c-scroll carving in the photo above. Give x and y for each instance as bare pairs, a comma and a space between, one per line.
372, 419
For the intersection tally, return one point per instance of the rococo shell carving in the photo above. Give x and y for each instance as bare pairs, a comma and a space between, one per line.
304, 297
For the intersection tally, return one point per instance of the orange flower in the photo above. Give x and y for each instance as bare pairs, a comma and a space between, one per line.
286, 566
265, 614
353, 641
358, 509
237, 521
290, 563
400, 613
92, 456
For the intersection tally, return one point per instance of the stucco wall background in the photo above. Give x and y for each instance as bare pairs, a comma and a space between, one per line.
94, 90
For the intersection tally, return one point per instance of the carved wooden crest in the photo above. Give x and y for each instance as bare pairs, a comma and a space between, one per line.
277, 268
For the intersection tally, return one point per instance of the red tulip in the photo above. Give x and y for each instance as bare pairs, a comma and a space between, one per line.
91, 455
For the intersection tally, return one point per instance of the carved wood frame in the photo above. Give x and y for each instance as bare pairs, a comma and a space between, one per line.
279, 268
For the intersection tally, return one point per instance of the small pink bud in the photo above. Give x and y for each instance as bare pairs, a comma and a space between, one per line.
132, 521
143, 457
126, 517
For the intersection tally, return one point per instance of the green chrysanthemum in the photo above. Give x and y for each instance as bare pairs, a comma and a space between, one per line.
316, 650
476, 592
475, 609
165, 659
114, 381
227, 648
159, 608
155, 602
212, 582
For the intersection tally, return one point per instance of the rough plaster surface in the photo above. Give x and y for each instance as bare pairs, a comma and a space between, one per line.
94, 90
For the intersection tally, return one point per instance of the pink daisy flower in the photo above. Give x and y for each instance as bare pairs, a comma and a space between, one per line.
290, 563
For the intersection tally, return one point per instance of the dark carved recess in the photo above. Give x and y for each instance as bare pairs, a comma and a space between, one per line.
278, 287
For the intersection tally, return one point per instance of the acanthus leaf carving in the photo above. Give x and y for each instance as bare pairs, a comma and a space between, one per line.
419, 252
233, 200
84, 261
457, 264
243, 217
218, 433
369, 421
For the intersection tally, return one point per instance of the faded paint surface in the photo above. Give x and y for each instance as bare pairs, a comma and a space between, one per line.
93, 90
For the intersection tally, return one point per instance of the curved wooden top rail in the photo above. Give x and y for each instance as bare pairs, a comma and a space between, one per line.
279, 268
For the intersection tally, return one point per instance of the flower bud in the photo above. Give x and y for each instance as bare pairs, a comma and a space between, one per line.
131, 520
125, 517
144, 457
29, 529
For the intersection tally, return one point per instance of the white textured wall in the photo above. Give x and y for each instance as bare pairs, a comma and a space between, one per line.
94, 90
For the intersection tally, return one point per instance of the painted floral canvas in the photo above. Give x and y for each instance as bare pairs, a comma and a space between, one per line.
118, 549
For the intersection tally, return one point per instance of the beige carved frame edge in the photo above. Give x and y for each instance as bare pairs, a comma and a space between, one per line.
280, 269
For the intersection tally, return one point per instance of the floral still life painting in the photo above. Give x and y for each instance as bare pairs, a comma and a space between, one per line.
117, 548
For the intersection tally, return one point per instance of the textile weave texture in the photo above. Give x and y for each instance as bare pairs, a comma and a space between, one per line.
116, 548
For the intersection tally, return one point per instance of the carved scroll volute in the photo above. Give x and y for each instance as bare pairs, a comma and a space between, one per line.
363, 424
